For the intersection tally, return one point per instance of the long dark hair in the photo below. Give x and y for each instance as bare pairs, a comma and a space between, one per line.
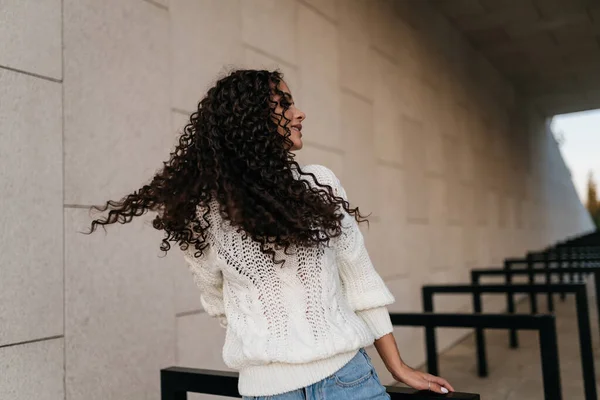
230, 151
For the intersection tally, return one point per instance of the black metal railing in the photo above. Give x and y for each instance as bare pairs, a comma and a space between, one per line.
547, 272
583, 320
548, 263
591, 239
177, 382
544, 324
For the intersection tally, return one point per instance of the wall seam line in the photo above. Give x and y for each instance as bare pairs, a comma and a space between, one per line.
20, 71
62, 110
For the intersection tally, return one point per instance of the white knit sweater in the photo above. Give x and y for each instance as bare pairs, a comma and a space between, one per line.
290, 327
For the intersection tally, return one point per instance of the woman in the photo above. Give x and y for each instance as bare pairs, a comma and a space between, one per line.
274, 248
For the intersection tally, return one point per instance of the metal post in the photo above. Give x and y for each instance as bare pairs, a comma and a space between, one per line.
550, 365
597, 289
168, 390
430, 342
561, 277
550, 295
570, 264
510, 308
585, 344
482, 369
532, 296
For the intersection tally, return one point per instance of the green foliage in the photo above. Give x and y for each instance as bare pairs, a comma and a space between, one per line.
592, 204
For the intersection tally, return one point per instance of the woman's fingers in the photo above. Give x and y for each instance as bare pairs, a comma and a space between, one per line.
434, 387
442, 382
424, 381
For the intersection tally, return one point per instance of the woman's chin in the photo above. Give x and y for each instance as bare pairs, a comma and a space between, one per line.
296, 146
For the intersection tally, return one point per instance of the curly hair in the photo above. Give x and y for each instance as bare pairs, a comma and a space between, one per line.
230, 151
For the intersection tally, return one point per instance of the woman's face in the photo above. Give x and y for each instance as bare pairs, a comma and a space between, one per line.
293, 114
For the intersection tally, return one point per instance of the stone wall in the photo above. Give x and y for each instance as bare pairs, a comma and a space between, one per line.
456, 169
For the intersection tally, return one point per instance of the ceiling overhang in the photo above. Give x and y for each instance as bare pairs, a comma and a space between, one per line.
549, 49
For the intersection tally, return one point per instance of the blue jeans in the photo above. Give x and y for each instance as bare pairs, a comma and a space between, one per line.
357, 380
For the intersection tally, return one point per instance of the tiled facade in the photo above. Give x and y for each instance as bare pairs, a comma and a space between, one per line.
456, 169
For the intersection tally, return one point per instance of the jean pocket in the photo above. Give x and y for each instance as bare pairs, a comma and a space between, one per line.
355, 372
367, 356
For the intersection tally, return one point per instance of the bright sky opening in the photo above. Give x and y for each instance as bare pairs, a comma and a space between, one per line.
580, 148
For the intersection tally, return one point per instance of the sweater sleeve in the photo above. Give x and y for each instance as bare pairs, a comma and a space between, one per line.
209, 279
363, 287
378, 320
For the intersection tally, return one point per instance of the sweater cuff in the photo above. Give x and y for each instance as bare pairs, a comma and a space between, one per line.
378, 320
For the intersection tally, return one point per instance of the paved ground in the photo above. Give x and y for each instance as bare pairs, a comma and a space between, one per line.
515, 374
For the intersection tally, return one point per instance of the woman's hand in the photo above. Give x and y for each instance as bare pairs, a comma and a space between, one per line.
388, 350
421, 380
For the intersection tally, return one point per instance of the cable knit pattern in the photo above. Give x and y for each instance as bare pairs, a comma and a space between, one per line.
289, 327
